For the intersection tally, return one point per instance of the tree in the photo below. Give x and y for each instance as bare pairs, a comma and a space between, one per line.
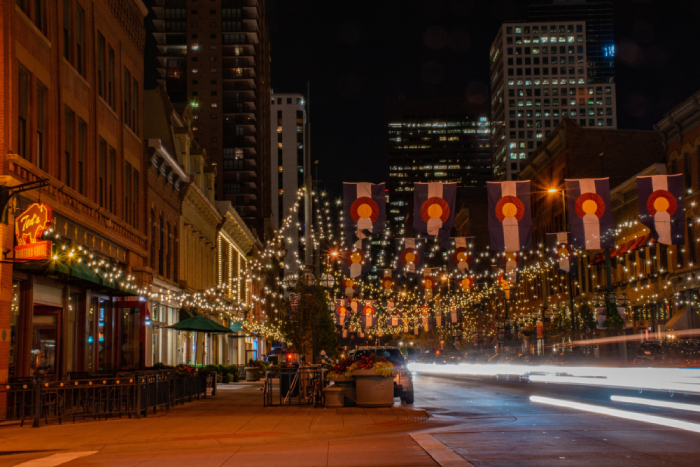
614, 321
307, 322
587, 318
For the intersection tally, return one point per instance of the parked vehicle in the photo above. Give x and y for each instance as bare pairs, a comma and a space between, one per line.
403, 381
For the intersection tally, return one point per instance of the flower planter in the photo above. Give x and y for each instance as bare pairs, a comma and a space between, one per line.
373, 390
252, 373
347, 384
228, 378
334, 397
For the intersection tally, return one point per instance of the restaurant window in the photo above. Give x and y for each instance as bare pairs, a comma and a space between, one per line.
44, 339
23, 111
129, 328
104, 334
14, 320
176, 255
41, 126
68, 146
90, 319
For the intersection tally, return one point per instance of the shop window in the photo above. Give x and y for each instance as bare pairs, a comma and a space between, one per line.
44, 339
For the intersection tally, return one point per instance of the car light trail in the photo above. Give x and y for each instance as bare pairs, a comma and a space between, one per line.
653, 403
663, 421
659, 379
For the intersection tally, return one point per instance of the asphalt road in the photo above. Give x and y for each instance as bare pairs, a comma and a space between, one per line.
498, 425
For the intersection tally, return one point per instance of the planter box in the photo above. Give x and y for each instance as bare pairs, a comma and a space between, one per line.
347, 384
334, 397
372, 389
252, 373
228, 378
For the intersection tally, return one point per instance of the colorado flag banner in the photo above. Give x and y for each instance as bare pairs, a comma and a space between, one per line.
559, 247
590, 213
461, 256
434, 209
409, 255
510, 218
364, 208
662, 207
355, 261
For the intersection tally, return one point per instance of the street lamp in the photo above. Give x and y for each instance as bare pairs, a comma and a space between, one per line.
327, 281
563, 204
289, 281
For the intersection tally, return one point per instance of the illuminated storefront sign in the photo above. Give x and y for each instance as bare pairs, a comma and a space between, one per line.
28, 229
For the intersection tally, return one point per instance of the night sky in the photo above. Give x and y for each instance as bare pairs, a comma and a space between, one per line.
357, 55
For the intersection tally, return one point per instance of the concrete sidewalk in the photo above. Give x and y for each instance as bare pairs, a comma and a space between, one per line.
233, 428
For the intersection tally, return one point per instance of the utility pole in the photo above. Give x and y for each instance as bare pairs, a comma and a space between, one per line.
308, 217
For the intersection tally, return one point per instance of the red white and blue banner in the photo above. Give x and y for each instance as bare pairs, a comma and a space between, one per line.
434, 209
342, 313
590, 213
460, 257
350, 287
364, 208
510, 218
662, 207
429, 282
559, 246
410, 256
369, 314
465, 284
388, 283
355, 261
454, 316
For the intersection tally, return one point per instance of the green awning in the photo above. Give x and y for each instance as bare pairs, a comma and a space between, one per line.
200, 324
74, 272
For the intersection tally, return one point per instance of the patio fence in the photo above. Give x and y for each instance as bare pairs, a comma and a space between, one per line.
125, 394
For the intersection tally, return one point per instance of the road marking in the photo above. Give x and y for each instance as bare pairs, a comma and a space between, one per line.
640, 417
56, 459
653, 403
440, 453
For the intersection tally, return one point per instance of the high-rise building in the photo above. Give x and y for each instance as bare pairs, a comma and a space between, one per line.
433, 141
215, 56
539, 77
600, 41
288, 115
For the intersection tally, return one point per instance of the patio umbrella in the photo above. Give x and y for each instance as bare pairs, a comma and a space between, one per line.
199, 323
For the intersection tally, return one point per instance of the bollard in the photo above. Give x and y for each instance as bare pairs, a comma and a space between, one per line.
213, 384
38, 380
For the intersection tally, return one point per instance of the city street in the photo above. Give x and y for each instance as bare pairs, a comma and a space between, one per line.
487, 423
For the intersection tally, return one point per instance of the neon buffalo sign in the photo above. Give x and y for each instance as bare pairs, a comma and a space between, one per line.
28, 229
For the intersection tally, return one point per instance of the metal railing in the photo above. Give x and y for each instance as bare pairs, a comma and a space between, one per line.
292, 386
125, 394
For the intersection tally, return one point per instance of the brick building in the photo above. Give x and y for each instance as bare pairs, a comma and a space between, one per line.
70, 85
573, 152
196, 244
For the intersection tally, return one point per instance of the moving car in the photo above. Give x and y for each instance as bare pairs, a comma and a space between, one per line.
403, 382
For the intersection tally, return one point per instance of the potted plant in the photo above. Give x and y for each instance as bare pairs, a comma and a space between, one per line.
341, 376
252, 370
374, 382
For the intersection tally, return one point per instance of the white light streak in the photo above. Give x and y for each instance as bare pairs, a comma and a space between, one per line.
663, 421
653, 403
